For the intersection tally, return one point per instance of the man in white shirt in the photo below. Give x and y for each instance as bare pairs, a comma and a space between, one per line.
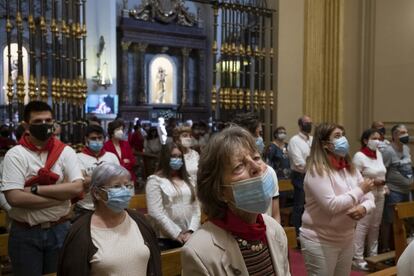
93, 155
298, 150
40, 176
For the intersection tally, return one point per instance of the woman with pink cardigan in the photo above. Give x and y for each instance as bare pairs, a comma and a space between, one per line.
336, 197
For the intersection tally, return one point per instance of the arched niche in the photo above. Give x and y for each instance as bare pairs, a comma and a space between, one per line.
162, 80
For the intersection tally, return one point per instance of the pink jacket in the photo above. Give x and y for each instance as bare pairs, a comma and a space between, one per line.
327, 200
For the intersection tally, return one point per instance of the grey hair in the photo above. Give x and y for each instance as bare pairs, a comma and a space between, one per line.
104, 173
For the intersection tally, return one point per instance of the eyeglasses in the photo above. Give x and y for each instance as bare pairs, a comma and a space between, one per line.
128, 185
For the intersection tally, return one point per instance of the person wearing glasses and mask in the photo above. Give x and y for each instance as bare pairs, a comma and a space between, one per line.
277, 154
378, 125
235, 187
399, 178
111, 240
92, 155
171, 199
337, 196
182, 136
118, 145
40, 176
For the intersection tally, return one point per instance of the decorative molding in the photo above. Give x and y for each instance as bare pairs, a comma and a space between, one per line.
159, 10
323, 54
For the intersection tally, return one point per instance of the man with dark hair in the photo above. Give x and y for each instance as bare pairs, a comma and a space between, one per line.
40, 176
93, 155
298, 150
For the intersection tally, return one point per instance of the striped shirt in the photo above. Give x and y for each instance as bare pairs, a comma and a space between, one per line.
258, 263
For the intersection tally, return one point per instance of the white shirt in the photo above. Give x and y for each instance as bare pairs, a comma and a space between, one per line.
21, 164
87, 164
370, 167
298, 150
191, 163
171, 207
121, 250
276, 194
405, 265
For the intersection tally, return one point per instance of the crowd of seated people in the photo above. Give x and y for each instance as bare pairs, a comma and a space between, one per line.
342, 202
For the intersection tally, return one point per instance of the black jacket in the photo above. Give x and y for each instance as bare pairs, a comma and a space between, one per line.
78, 249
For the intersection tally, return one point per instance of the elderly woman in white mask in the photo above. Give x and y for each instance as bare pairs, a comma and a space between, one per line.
111, 240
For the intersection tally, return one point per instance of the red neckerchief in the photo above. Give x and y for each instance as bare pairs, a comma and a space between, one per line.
87, 151
338, 164
368, 152
239, 228
54, 148
24, 141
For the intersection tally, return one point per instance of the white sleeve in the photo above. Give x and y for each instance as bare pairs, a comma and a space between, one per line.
275, 180
358, 162
296, 157
14, 171
80, 162
156, 209
196, 218
71, 165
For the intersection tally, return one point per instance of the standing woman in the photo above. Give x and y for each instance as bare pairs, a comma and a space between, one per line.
336, 197
171, 199
235, 187
182, 136
121, 148
277, 154
369, 162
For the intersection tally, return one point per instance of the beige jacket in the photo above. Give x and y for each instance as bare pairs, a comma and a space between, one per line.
213, 251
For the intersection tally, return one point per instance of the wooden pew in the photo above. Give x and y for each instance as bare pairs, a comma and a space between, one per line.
376, 262
391, 271
171, 262
402, 211
138, 202
4, 245
291, 237
285, 185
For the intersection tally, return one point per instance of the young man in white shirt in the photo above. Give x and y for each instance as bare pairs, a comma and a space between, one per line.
40, 176
93, 155
298, 150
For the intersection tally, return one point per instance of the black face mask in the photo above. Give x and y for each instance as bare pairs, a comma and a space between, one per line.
382, 131
41, 132
405, 139
307, 127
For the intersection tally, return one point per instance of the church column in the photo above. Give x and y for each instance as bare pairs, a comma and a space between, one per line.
142, 96
323, 55
185, 55
125, 91
201, 86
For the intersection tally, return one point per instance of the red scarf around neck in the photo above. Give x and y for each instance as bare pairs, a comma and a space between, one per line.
25, 142
338, 164
88, 151
239, 228
368, 152
54, 148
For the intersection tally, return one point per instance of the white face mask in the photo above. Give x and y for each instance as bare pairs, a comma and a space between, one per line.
119, 134
373, 144
281, 136
186, 142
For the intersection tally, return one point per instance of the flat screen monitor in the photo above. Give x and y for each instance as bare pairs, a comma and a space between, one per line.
102, 104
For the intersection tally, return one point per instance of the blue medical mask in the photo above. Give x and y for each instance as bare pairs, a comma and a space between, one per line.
341, 146
176, 163
118, 198
254, 195
95, 146
260, 144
